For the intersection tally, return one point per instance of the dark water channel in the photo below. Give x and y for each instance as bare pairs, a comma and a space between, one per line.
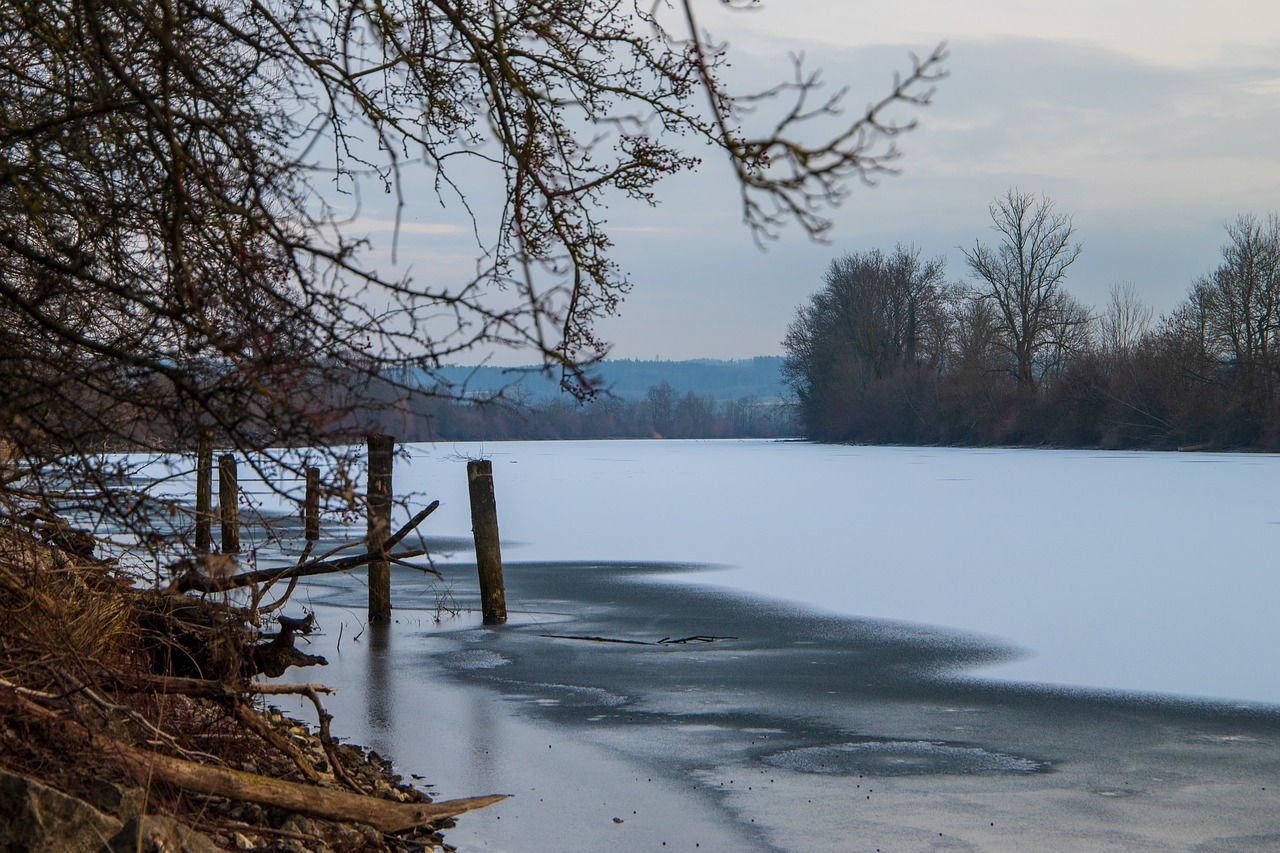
796, 730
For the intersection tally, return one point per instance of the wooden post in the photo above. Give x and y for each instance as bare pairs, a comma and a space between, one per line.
229, 502
381, 450
204, 492
311, 507
484, 526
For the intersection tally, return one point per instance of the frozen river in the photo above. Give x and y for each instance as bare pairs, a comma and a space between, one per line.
928, 649
1122, 571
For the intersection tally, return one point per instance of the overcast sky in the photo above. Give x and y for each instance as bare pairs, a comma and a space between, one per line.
1152, 124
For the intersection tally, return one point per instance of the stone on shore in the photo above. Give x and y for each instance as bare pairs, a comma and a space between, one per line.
35, 818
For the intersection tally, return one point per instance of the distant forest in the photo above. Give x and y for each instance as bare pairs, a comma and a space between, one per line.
638, 399
888, 351
627, 378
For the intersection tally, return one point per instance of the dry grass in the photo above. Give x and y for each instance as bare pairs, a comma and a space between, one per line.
82, 651
58, 614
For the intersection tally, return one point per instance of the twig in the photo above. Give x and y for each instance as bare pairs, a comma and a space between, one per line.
598, 639
665, 641
160, 736
427, 569
231, 826
326, 740
282, 744
293, 584
201, 688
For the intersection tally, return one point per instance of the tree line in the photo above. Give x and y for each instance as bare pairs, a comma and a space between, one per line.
889, 351
662, 412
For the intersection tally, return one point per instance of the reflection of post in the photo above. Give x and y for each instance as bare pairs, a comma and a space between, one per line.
229, 502
379, 693
381, 449
204, 492
311, 506
484, 525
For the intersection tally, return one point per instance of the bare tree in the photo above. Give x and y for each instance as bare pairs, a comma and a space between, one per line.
1068, 333
1238, 306
1022, 276
177, 180
1242, 296
975, 331
1125, 320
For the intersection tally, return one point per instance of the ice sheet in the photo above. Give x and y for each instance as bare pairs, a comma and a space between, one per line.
1126, 571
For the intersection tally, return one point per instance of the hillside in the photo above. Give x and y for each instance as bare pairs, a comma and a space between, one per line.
631, 379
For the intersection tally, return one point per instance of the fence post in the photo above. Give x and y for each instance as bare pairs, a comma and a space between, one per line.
229, 503
204, 492
484, 526
311, 505
381, 456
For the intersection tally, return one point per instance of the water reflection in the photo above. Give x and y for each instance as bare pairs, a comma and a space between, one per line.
379, 693
484, 740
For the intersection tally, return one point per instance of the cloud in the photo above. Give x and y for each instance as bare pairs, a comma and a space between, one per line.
376, 226
1172, 33
1152, 155
1151, 159
643, 229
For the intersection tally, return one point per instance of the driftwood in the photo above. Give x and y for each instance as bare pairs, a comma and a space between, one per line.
202, 688
64, 695
272, 658
219, 691
665, 641
326, 803
191, 579
383, 815
248, 718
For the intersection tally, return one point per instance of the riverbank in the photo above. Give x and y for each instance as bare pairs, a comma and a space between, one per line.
799, 731
129, 720
1021, 572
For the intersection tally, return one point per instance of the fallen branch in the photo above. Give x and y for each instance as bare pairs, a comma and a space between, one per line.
286, 747
665, 641
201, 688
598, 639
326, 738
192, 580
259, 592
408, 528
276, 655
327, 803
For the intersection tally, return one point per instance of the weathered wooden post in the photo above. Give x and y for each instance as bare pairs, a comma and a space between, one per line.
311, 505
229, 503
484, 526
204, 492
381, 456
